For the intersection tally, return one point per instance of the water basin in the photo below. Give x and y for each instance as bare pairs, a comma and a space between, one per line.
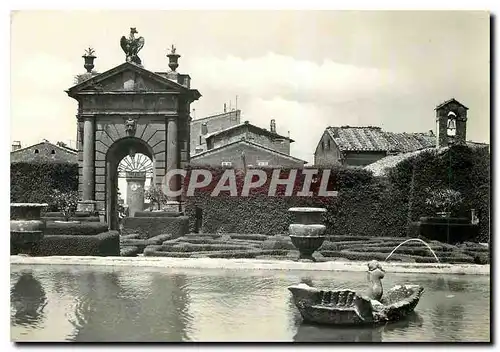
120, 304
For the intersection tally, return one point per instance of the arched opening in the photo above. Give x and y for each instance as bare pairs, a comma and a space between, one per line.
451, 126
123, 148
135, 173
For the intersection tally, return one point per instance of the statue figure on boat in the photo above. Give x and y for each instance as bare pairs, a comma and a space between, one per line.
347, 307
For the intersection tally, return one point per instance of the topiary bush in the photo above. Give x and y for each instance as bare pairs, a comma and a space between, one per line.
460, 168
103, 244
366, 206
267, 215
35, 182
74, 229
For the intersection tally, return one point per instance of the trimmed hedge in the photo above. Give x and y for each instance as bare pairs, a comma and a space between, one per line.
34, 182
262, 214
136, 242
79, 216
461, 168
366, 206
156, 214
147, 227
280, 247
103, 244
74, 229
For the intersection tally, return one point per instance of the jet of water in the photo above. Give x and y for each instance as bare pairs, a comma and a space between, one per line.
413, 239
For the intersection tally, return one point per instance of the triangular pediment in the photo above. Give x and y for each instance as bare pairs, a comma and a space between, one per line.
127, 77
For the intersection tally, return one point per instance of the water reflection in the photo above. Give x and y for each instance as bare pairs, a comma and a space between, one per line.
102, 304
28, 299
317, 333
160, 315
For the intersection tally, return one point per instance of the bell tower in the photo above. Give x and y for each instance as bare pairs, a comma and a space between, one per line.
451, 121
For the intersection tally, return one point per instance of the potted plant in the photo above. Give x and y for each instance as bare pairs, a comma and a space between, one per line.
156, 196
444, 200
443, 227
66, 203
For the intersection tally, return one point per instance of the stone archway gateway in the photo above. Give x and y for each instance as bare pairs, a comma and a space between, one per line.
125, 110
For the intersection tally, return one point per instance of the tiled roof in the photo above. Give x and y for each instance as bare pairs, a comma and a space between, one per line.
373, 139
246, 123
452, 100
250, 143
66, 149
381, 166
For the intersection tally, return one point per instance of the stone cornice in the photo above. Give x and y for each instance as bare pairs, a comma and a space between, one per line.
129, 113
128, 92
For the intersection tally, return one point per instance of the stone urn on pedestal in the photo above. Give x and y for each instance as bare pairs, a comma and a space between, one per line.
26, 226
307, 231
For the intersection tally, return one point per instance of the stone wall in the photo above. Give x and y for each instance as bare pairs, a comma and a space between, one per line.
327, 152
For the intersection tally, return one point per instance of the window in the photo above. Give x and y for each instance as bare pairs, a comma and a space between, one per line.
52, 151
263, 163
36, 151
329, 144
200, 141
226, 163
322, 145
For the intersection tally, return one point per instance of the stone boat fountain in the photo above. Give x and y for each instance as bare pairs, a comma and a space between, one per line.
26, 226
307, 231
347, 307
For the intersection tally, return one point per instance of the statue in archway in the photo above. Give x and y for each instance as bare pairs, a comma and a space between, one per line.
131, 46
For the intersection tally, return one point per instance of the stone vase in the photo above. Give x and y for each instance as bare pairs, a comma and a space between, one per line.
26, 226
307, 231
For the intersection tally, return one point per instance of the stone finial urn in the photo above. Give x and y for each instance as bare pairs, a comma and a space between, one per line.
307, 231
26, 226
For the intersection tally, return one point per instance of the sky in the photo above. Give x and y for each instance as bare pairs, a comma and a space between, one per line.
305, 69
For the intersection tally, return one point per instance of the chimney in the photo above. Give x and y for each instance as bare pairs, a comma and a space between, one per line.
273, 126
225, 109
431, 133
16, 145
204, 129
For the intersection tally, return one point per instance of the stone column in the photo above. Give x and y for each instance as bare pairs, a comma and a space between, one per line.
88, 160
172, 161
135, 191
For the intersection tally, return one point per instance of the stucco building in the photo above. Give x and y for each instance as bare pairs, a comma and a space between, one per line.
361, 146
43, 152
200, 128
249, 144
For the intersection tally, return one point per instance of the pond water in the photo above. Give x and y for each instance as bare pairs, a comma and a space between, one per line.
121, 304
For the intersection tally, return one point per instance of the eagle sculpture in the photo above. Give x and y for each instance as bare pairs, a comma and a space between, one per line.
131, 46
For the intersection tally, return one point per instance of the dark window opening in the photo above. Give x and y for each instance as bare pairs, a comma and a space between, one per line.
36, 151
322, 145
52, 151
